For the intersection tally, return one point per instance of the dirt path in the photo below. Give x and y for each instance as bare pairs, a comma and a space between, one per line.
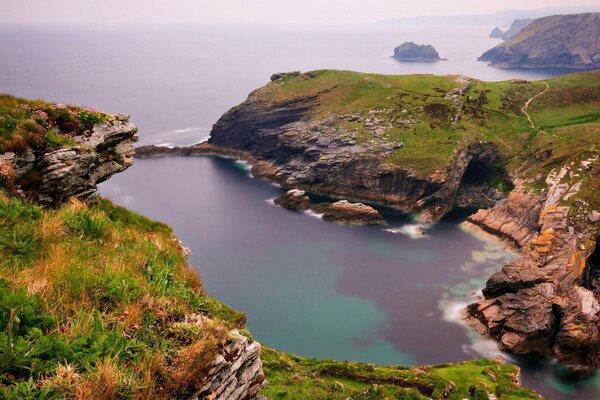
526, 106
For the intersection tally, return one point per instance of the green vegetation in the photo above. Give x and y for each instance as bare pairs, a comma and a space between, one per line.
93, 304
39, 124
417, 110
293, 377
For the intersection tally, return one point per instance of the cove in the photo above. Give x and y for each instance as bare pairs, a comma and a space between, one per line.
318, 289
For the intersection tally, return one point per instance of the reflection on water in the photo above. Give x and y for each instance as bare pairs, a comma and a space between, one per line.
321, 289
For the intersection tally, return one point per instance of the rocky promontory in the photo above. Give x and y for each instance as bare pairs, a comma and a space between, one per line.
70, 159
560, 41
412, 52
496, 33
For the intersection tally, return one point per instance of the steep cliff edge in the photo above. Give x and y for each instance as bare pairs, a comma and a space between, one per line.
50, 153
524, 152
560, 41
97, 301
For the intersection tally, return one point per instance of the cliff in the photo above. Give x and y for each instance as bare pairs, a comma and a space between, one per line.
50, 153
496, 33
561, 41
410, 51
525, 153
516, 27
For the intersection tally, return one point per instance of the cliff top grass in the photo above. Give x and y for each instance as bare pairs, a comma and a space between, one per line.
419, 110
93, 304
39, 124
292, 377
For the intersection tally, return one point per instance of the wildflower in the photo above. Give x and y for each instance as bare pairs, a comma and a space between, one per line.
25, 107
60, 105
91, 109
41, 114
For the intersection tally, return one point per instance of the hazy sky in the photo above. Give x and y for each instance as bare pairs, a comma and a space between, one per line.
249, 11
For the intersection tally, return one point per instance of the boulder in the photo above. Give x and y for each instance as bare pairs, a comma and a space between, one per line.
352, 213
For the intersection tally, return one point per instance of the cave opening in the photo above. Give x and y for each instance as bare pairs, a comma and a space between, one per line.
592, 280
483, 183
477, 173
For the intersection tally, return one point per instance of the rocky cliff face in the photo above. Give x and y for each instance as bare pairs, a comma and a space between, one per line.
540, 303
52, 175
563, 41
318, 157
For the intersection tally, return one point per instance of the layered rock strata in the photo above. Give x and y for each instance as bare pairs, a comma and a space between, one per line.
54, 174
539, 303
236, 372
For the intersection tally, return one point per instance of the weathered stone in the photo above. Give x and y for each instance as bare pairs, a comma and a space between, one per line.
352, 213
74, 171
294, 199
236, 373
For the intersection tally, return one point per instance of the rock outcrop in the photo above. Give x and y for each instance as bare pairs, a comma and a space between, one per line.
496, 33
517, 26
560, 41
341, 211
236, 372
539, 302
413, 52
54, 174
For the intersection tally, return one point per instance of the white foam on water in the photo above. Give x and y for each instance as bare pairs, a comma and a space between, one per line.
410, 230
243, 165
182, 136
454, 311
313, 214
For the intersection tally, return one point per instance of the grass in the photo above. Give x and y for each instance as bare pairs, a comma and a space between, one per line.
38, 124
292, 377
93, 301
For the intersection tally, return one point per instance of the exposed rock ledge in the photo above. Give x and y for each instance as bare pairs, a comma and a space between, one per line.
340, 211
236, 373
539, 302
53, 175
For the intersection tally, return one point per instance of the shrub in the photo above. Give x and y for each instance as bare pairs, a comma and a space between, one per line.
87, 225
88, 117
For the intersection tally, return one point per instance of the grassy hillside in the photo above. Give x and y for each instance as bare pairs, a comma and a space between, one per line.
93, 304
416, 110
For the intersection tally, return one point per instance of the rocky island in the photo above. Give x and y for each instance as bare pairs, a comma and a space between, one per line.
560, 41
427, 144
516, 27
496, 33
98, 302
413, 52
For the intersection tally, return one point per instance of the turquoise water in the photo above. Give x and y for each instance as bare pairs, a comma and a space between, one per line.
374, 294
318, 289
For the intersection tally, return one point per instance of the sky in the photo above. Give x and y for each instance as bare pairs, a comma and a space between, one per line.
249, 11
